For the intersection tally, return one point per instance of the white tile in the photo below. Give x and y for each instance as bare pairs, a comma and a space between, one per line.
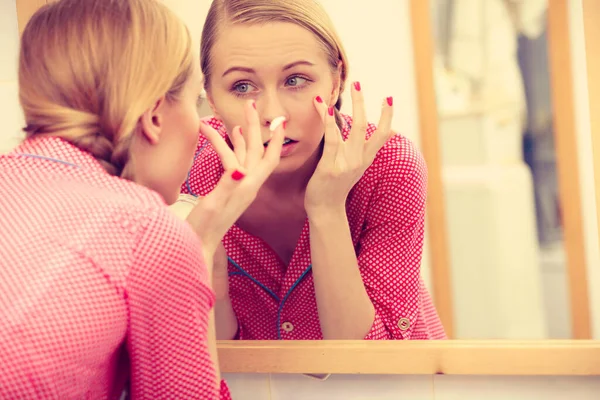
351, 387
9, 40
248, 386
11, 116
449, 387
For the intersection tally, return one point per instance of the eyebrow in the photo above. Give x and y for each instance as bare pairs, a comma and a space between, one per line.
252, 71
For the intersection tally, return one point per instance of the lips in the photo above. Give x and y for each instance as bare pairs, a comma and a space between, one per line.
286, 141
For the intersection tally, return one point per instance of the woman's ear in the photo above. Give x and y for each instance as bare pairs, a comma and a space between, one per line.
337, 82
152, 122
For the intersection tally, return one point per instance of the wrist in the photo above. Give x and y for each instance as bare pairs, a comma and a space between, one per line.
322, 215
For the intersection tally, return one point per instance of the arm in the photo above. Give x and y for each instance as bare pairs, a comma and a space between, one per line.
389, 259
170, 340
345, 309
225, 320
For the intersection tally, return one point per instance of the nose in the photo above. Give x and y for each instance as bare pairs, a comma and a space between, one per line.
269, 107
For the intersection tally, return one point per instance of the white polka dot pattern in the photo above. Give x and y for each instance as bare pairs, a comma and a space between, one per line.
100, 285
386, 211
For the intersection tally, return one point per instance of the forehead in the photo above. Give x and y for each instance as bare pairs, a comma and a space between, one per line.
264, 45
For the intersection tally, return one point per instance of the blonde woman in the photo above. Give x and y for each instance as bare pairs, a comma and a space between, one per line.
331, 246
101, 286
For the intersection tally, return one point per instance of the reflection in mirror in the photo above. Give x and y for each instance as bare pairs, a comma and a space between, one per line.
505, 213
332, 245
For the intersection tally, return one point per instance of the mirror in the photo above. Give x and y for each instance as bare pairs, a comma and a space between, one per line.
490, 105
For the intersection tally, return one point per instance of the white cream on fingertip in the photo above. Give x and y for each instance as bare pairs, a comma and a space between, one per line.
275, 123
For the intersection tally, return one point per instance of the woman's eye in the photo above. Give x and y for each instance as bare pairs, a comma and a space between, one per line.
296, 81
242, 87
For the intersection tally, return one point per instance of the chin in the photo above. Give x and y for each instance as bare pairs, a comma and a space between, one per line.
288, 165
171, 198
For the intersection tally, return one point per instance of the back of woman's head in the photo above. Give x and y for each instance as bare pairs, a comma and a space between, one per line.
88, 70
308, 14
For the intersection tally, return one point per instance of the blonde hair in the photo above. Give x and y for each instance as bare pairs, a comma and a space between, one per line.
89, 69
308, 14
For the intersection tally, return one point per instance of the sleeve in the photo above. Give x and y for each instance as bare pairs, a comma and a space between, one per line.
191, 186
169, 300
392, 241
206, 169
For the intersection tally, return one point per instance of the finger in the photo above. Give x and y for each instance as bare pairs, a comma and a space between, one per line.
358, 133
227, 156
254, 144
384, 129
333, 137
239, 144
272, 155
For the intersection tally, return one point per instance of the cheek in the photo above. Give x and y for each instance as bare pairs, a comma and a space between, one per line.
231, 113
306, 119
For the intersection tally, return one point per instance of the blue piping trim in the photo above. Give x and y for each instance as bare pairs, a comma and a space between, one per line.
49, 159
243, 272
285, 298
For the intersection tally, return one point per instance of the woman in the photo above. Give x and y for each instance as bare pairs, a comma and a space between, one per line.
331, 246
100, 284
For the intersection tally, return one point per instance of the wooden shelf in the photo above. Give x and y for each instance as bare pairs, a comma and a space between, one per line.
454, 357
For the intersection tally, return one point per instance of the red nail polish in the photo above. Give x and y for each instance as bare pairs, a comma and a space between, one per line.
390, 101
254, 104
330, 111
284, 124
357, 86
237, 175
319, 99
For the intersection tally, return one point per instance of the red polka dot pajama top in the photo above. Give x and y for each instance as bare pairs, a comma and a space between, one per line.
386, 211
100, 284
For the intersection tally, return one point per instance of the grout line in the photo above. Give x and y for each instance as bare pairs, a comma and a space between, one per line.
269, 386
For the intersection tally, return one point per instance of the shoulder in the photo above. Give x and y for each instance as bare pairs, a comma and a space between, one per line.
399, 158
168, 245
394, 187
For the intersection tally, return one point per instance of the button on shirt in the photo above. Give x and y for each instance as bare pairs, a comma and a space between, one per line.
100, 284
386, 211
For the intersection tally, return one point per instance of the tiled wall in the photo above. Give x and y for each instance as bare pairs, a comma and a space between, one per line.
389, 387
10, 112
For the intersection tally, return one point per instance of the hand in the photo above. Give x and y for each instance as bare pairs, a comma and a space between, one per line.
246, 169
344, 162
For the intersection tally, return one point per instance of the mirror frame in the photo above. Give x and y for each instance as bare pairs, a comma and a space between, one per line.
591, 16
482, 357
563, 109
450, 357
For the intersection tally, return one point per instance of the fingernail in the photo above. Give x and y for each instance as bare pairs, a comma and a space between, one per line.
254, 104
390, 101
204, 122
319, 99
330, 111
284, 124
240, 130
237, 175
357, 86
